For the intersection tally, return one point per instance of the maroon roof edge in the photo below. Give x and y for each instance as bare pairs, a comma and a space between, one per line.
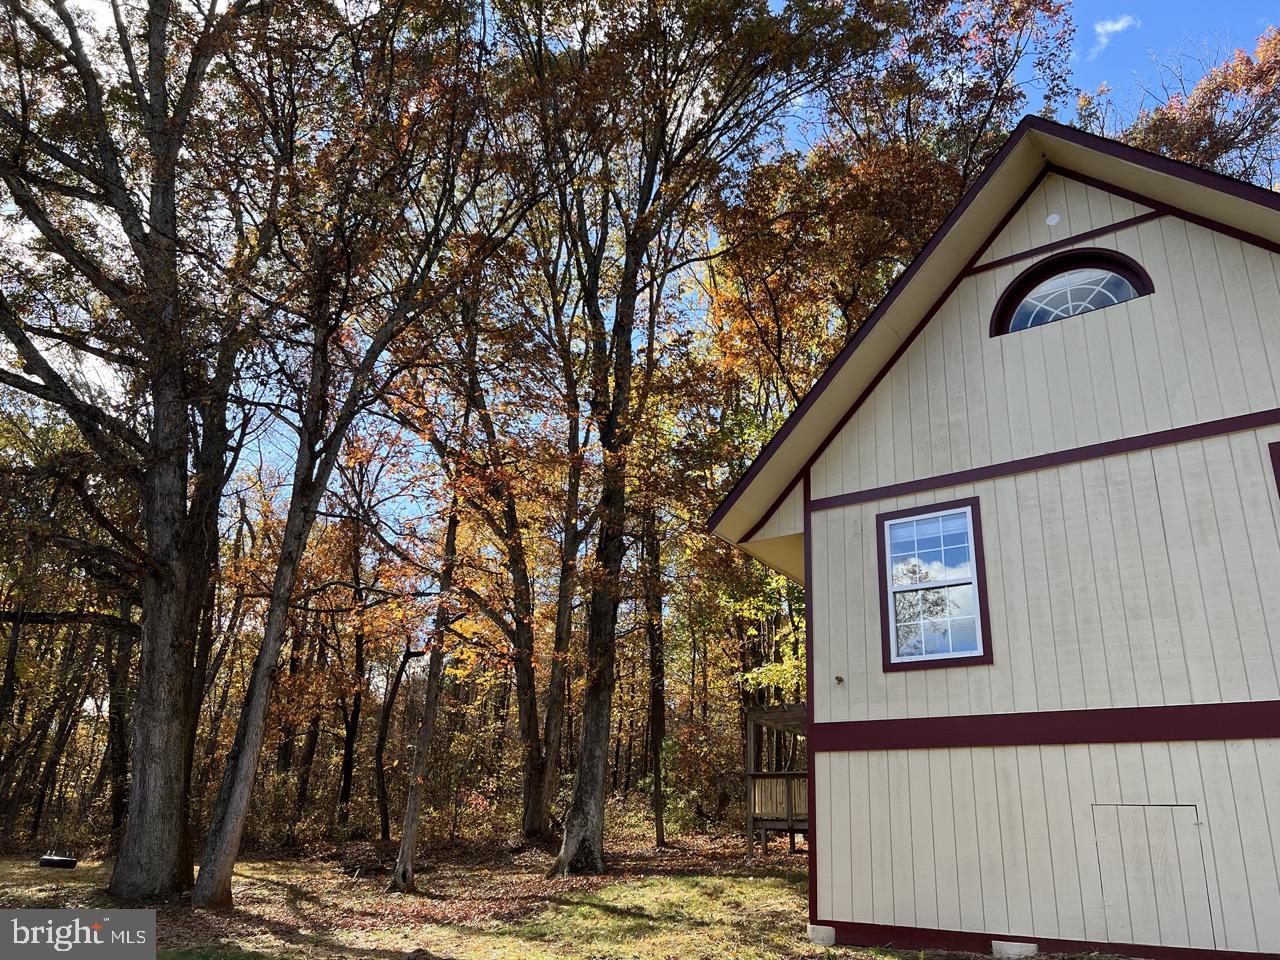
1121, 151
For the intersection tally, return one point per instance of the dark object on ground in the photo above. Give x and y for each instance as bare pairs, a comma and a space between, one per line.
58, 863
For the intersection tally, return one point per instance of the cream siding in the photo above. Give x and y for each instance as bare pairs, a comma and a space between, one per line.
1203, 346
1080, 208
1132, 580
1153, 843
786, 519
1140, 579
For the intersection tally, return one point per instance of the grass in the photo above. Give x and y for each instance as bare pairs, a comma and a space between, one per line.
697, 903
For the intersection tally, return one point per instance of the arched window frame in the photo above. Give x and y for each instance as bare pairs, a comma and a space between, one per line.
1042, 270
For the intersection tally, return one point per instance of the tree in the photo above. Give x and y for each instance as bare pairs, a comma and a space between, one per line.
102, 149
1223, 116
648, 106
396, 207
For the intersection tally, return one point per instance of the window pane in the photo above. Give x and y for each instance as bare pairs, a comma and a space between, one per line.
957, 561
962, 601
1069, 293
933, 604
902, 536
909, 640
906, 607
932, 561
929, 527
935, 637
909, 570
957, 522
955, 539
964, 635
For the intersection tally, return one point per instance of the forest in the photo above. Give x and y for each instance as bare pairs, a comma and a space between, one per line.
368, 372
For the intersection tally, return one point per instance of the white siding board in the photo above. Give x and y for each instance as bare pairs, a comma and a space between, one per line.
1259, 852
991, 861
1228, 846
946, 878
1199, 348
1076, 842
838, 875
1081, 208
862, 908
882, 838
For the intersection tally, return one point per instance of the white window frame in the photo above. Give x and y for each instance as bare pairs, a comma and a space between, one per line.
892, 589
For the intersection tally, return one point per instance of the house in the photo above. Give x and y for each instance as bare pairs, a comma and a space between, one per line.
1035, 506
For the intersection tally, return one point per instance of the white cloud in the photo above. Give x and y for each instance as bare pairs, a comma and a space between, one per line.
1103, 30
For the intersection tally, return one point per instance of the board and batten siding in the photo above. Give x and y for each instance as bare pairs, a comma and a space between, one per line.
1204, 346
1140, 579
1176, 844
1079, 206
786, 519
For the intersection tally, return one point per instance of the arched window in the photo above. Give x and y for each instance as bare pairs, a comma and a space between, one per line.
1068, 283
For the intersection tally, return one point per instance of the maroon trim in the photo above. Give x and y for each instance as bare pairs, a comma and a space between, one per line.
1093, 451
869, 324
1161, 164
1170, 209
1155, 162
1009, 214
764, 517
897, 354
1274, 450
979, 579
1069, 241
811, 835
1244, 720
925, 938
1038, 272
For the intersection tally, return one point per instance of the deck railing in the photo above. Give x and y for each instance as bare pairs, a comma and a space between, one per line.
777, 800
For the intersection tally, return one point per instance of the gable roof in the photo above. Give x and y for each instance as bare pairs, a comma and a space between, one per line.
1035, 147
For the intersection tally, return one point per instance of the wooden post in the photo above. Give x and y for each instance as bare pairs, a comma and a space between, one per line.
791, 827
751, 787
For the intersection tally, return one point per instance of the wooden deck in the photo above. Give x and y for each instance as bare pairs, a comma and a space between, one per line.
777, 800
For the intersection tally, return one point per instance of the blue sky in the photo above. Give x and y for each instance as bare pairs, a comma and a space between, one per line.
1115, 38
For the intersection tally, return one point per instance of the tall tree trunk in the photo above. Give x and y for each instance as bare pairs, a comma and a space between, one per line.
9, 684
380, 745
226, 826
152, 861
582, 850
402, 878
305, 765
347, 766
119, 659
651, 547
612, 359
62, 734
351, 733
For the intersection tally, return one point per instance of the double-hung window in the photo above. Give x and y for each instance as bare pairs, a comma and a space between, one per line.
933, 604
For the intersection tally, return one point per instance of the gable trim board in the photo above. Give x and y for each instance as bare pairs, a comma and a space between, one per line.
1057, 458
1236, 720
1029, 126
929, 938
811, 845
1069, 241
